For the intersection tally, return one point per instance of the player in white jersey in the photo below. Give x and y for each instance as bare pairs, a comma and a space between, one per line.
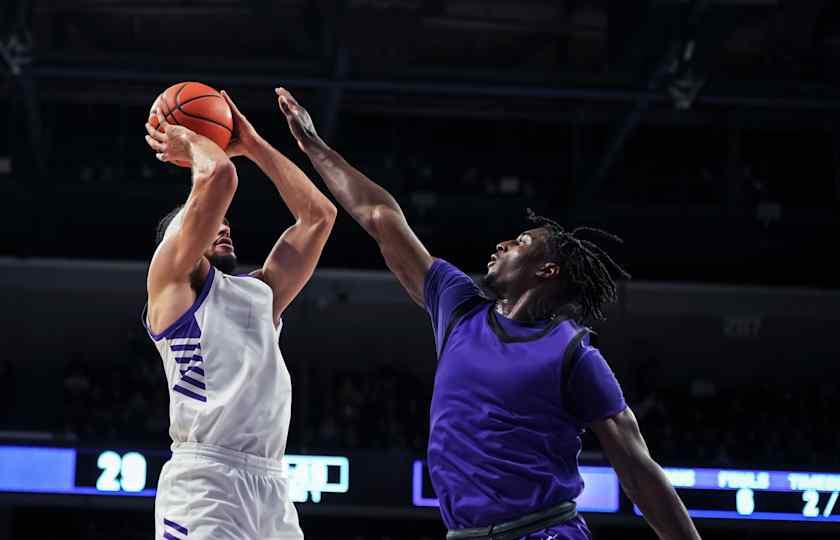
217, 333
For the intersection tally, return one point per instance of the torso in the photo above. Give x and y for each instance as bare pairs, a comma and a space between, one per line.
501, 443
228, 383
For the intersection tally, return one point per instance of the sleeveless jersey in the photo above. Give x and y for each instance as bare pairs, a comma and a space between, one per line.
509, 402
228, 384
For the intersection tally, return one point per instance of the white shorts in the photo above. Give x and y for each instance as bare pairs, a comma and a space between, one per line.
207, 492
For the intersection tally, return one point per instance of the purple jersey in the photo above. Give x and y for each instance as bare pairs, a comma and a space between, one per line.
505, 422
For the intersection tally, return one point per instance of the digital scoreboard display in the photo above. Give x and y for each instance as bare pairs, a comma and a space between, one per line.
134, 473
764, 495
388, 480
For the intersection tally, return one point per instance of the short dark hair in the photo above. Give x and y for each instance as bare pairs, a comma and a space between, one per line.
585, 266
163, 224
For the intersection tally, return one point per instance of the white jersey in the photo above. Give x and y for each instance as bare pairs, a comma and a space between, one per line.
228, 384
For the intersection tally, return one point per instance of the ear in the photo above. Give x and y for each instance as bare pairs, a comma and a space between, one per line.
548, 270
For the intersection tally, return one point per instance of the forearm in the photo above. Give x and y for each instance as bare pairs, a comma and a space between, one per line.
354, 191
648, 487
301, 196
207, 159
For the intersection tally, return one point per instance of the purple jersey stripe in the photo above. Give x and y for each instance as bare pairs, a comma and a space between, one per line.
186, 326
180, 528
189, 393
186, 347
194, 382
188, 359
194, 369
170, 537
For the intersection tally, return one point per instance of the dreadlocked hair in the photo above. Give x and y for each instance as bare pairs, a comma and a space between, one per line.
586, 265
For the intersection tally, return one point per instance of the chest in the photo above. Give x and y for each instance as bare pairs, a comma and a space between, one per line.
241, 309
477, 363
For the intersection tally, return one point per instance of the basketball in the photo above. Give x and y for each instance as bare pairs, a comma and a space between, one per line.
197, 107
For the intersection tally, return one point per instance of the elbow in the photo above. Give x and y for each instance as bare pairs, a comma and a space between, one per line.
328, 213
319, 218
631, 487
323, 215
378, 220
641, 472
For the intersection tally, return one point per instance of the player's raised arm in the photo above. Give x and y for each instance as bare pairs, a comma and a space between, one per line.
642, 478
295, 254
213, 185
369, 204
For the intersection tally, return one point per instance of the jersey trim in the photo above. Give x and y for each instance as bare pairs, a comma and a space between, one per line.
457, 314
504, 337
570, 362
205, 290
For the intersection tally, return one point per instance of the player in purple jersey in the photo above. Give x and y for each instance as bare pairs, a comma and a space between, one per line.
517, 380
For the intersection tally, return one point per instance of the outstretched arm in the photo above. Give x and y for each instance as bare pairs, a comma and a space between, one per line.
214, 182
642, 478
294, 256
369, 204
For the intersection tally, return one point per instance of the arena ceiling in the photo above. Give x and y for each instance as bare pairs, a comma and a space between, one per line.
606, 71
444, 57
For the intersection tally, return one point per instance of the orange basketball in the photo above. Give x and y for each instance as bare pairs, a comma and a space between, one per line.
198, 107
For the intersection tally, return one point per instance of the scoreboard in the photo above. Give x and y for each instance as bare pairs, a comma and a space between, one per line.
383, 480
758, 494
134, 473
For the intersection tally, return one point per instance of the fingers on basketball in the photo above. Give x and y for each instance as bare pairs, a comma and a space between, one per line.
155, 145
154, 132
231, 104
162, 123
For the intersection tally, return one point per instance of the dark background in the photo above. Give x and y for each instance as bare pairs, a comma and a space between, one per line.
702, 132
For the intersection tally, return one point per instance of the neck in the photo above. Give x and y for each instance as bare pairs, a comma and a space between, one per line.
522, 307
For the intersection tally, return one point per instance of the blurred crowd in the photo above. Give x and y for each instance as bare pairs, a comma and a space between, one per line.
126, 402
384, 409
769, 422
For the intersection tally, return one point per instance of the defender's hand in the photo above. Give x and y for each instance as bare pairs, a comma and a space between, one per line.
244, 137
300, 123
171, 143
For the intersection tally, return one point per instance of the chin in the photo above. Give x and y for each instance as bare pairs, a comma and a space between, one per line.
226, 263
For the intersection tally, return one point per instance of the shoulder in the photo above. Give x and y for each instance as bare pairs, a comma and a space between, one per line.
176, 306
444, 272
446, 280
